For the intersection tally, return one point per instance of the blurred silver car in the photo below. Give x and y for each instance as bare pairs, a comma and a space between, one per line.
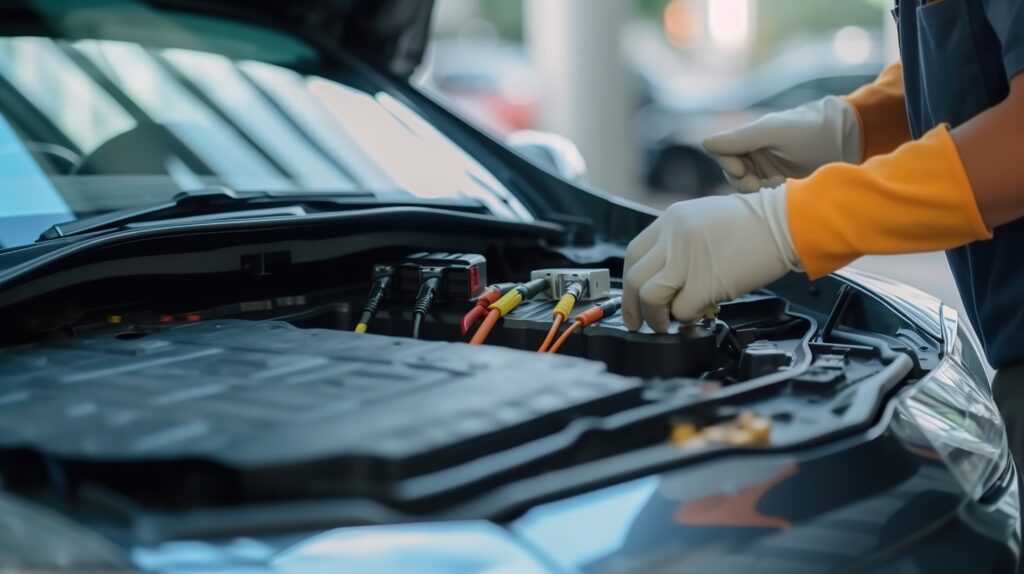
671, 127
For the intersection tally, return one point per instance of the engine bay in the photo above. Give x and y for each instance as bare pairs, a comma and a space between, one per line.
285, 399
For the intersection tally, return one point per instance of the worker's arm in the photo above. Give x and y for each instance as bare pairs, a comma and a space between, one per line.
794, 143
942, 191
945, 190
881, 111
991, 147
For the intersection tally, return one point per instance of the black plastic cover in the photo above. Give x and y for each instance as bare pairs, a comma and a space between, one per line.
250, 410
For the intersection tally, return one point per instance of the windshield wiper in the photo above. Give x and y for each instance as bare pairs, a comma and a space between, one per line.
216, 201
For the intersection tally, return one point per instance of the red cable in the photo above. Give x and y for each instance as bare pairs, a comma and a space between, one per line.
486, 327
474, 315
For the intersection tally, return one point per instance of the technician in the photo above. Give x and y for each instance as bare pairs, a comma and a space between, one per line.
928, 157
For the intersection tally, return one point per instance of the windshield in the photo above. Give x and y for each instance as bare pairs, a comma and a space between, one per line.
162, 102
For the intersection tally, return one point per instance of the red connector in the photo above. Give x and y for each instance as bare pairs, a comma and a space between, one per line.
489, 297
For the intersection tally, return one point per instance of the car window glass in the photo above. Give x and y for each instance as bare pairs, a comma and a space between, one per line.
111, 124
40, 71
29, 202
291, 92
167, 101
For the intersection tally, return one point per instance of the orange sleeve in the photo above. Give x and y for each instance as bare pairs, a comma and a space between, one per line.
913, 200
882, 112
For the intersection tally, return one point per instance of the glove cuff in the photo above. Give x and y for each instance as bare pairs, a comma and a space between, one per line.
881, 114
772, 206
846, 126
913, 200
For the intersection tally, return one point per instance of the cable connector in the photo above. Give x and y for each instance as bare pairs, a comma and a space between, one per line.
599, 312
505, 305
518, 294
485, 300
565, 305
588, 318
378, 291
596, 283
424, 301
561, 313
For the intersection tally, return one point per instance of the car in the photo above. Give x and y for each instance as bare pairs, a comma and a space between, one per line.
670, 128
239, 251
490, 82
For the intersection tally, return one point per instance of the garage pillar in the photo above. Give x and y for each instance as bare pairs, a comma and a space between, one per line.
585, 96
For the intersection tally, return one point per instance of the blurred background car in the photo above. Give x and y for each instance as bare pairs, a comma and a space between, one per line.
638, 84
672, 126
489, 80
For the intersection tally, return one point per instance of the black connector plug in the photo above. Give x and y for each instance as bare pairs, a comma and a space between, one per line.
424, 300
373, 300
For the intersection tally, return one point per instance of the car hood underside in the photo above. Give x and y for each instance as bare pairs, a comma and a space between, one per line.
389, 34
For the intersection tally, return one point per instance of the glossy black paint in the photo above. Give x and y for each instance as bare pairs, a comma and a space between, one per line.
864, 504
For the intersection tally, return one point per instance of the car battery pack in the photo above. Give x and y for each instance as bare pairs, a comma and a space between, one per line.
682, 351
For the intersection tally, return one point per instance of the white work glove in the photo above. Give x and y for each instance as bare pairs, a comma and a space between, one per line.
705, 251
789, 144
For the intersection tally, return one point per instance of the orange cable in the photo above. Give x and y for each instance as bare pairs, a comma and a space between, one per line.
565, 336
551, 334
486, 327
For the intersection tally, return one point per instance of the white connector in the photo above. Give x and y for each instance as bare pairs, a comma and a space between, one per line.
597, 283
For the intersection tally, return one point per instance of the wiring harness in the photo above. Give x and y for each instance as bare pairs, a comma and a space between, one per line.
505, 305
561, 313
480, 309
587, 318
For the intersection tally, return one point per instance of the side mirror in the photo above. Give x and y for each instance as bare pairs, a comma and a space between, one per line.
553, 152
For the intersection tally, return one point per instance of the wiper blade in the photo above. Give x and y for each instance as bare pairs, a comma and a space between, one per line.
199, 200
222, 200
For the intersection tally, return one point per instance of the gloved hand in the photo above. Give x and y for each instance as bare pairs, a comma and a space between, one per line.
789, 144
704, 251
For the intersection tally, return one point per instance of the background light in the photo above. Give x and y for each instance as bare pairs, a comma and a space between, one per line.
852, 44
729, 22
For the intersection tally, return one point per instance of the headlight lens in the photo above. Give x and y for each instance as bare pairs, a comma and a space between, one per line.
951, 412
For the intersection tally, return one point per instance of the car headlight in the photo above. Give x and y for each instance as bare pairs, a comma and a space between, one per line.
951, 412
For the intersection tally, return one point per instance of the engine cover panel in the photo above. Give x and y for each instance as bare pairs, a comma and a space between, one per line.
241, 402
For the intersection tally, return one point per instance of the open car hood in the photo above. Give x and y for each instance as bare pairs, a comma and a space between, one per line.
389, 34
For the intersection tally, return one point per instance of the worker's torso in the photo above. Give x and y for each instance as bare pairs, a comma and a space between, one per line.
954, 69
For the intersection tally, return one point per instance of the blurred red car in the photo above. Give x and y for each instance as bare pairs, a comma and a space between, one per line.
491, 83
